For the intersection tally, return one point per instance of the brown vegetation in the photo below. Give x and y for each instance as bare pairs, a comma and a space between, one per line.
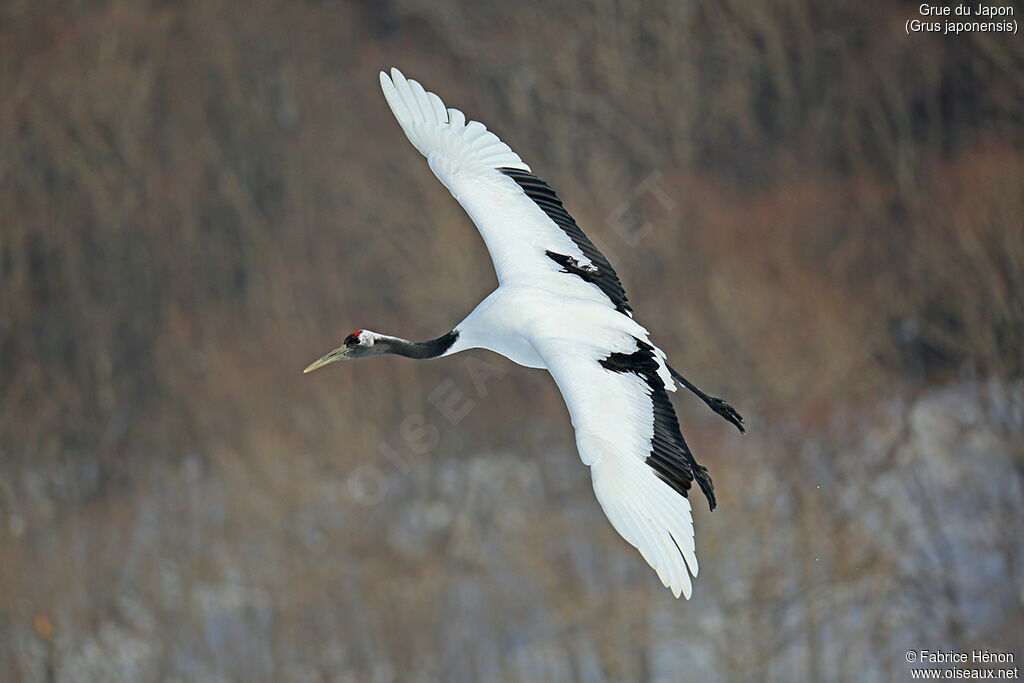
819, 217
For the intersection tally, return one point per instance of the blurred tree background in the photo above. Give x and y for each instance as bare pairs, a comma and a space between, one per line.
818, 216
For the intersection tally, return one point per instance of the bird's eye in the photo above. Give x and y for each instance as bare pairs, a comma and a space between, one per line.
352, 339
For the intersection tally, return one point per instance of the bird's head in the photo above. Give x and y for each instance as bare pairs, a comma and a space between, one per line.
359, 343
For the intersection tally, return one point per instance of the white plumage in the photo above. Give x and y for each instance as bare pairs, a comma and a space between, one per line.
560, 306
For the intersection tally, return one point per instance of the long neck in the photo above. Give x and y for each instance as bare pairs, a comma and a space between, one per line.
420, 350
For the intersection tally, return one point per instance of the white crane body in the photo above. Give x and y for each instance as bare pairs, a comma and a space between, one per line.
560, 306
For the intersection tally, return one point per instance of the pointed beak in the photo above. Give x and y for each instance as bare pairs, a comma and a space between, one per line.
337, 354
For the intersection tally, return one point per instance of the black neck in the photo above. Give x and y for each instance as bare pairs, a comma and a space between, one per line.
419, 350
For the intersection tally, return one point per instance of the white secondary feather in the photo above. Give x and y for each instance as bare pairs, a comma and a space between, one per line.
612, 415
543, 316
465, 157
442, 135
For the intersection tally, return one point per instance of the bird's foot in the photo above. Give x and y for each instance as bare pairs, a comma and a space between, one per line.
726, 411
700, 473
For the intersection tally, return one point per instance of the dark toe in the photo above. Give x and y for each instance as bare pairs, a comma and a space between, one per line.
729, 413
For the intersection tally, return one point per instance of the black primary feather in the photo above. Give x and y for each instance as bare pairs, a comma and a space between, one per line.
603, 275
670, 457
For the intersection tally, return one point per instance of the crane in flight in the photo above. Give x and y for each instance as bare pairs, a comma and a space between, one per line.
560, 306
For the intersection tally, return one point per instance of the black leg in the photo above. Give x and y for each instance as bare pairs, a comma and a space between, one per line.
700, 475
716, 404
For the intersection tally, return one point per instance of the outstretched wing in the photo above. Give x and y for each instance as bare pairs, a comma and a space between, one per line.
627, 432
530, 236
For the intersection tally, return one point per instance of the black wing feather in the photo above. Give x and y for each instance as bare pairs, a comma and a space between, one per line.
670, 457
605, 277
